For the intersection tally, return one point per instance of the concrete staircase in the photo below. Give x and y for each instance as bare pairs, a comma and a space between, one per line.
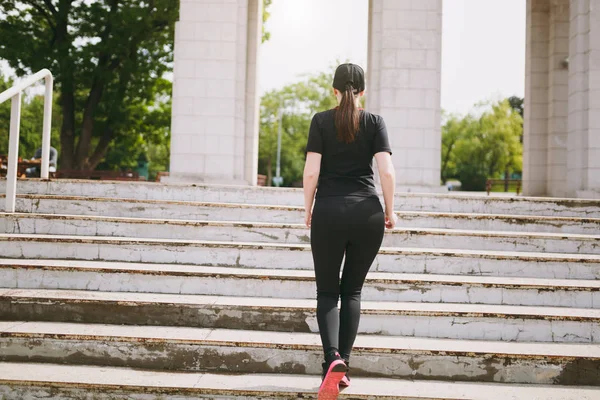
145, 291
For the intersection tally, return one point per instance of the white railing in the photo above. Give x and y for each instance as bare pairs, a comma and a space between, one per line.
14, 93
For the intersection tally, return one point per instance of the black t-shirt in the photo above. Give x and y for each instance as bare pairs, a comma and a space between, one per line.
347, 168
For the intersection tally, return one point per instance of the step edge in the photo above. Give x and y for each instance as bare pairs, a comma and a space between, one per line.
368, 308
399, 230
209, 337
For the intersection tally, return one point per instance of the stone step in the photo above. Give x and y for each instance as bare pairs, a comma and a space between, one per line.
188, 210
53, 224
288, 284
28, 381
238, 351
297, 256
443, 321
461, 203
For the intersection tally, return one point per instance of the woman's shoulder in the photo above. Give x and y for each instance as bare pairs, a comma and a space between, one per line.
325, 114
371, 118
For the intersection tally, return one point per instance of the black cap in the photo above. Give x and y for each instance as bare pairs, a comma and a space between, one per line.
349, 74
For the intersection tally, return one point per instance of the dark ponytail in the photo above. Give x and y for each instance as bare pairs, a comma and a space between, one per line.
347, 117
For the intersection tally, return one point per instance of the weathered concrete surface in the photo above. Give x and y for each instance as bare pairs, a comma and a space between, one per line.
444, 321
164, 209
192, 349
415, 320
259, 255
23, 381
187, 210
228, 281
275, 196
52, 224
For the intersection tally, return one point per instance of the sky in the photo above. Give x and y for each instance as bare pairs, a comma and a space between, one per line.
483, 46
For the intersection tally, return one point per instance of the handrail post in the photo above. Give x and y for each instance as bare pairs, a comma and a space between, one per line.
47, 127
13, 152
15, 94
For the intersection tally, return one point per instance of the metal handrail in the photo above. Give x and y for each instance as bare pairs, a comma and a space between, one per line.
14, 93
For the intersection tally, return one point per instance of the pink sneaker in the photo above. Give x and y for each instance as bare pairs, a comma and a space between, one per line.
330, 387
345, 382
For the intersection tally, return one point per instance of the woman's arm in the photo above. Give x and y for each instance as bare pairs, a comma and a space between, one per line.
312, 169
387, 174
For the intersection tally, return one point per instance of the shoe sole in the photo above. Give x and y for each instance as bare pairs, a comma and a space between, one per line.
344, 382
330, 388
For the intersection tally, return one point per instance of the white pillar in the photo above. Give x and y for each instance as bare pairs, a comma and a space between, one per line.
214, 75
250, 156
535, 135
583, 159
403, 85
558, 97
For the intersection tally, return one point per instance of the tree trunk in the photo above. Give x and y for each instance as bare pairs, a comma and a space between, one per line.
100, 150
67, 89
67, 130
95, 96
446, 160
87, 127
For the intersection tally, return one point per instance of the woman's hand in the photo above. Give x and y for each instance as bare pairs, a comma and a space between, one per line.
390, 220
308, 218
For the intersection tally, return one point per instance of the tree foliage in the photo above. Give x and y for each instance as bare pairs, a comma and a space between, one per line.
517, 104
265, 16
477, 148
297, 102
108, 57
147, 139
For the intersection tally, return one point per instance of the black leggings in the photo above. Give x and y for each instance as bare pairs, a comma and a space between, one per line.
354, 227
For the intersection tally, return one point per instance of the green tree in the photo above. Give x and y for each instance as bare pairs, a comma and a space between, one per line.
106, 55
265, 16
4, 117
517, 104
455, 129
474, 149
297, 102
148, 138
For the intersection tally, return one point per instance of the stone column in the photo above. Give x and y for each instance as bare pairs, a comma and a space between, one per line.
252, 110
403, 86
583, 159
214, 75
535, 135
558, 97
